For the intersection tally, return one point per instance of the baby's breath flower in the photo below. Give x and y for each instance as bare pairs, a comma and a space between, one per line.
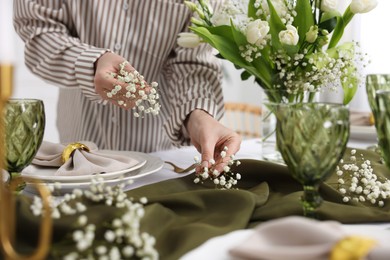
223, 180
358, 182
145, 103
121, 237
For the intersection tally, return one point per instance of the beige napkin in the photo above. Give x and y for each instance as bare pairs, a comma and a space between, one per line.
297, 238
359, 118
82, 162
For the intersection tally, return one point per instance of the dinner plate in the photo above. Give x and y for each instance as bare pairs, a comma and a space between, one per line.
44, 173
152, 165
361, 132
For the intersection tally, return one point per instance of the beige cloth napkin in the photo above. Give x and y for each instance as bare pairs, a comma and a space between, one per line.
82, 162
297, 238
359, 118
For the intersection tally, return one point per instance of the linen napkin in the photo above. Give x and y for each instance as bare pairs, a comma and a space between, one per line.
297, 238
82, 162
360, 118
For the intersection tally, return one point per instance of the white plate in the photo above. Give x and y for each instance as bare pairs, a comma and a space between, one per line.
43, 173
152, 165
361, 132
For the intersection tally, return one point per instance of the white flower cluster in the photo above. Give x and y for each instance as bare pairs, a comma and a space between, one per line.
322, 70
358, 182
146, 101
222, 180
121, 239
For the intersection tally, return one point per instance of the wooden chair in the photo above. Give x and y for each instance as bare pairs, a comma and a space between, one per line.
243, 118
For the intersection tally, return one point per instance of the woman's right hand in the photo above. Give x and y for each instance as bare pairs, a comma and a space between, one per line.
104, 82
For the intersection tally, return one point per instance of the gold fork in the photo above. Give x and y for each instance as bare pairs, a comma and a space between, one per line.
178, 169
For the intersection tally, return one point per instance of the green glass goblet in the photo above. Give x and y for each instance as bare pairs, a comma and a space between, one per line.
375, 82
382, 123
24, 122
312, 138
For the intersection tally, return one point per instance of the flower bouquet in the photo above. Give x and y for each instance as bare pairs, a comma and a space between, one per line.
291, 46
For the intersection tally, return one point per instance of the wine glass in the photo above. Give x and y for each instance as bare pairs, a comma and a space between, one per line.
375, 82
381, 112
24, 122
312, 138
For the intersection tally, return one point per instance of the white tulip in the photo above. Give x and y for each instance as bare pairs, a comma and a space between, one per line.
289, 36
256, 31
188, 40
311, 35
328, 5
362, 6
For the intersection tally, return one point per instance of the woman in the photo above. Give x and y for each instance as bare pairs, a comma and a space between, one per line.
76, 44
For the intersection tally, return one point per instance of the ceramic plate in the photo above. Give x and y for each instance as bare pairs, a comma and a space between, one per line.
46, 174
152, 165
361, 132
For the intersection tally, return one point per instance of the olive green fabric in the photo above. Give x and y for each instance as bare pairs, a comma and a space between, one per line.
182, 215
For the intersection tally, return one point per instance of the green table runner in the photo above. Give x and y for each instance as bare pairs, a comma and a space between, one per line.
182, 215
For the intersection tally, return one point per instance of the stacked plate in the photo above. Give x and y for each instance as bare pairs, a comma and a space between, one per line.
147, 164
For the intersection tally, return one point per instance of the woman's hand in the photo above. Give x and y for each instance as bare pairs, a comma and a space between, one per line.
104, 80
210, 137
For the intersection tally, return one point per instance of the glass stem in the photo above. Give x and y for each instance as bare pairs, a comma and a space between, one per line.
17, 177
311, 200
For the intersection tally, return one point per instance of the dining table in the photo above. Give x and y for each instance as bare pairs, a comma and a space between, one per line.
193, 221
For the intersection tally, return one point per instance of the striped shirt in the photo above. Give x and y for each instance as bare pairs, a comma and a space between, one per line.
64, 38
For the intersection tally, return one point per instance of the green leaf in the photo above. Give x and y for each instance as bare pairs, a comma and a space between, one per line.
245, 75
229, 50
222, 30
329, 20
350, 85
304, 19
338, 32
291, 49
276, 25
252, 10
238, 36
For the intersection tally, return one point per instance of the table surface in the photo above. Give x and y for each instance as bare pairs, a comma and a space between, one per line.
217, 248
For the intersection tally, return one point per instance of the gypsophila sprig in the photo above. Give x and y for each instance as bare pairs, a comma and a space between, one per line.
287, 45
118, 238
135, 90
358, 182
222, 180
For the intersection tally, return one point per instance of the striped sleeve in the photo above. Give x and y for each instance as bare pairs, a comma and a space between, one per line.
194, 77
51, 51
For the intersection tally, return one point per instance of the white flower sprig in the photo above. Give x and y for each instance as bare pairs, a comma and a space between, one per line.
358, 182
121, 237
145, 102
222, 180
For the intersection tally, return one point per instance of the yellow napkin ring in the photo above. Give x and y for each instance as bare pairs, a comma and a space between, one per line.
352, 248
70, 148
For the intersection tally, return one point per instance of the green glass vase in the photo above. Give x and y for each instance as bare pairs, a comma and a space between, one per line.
382, 123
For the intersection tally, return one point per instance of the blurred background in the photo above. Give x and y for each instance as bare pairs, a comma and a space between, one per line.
369, 29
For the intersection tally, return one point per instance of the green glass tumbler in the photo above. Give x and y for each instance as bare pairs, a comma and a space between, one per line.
24, 122
375, 82
312, 138
382, 123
